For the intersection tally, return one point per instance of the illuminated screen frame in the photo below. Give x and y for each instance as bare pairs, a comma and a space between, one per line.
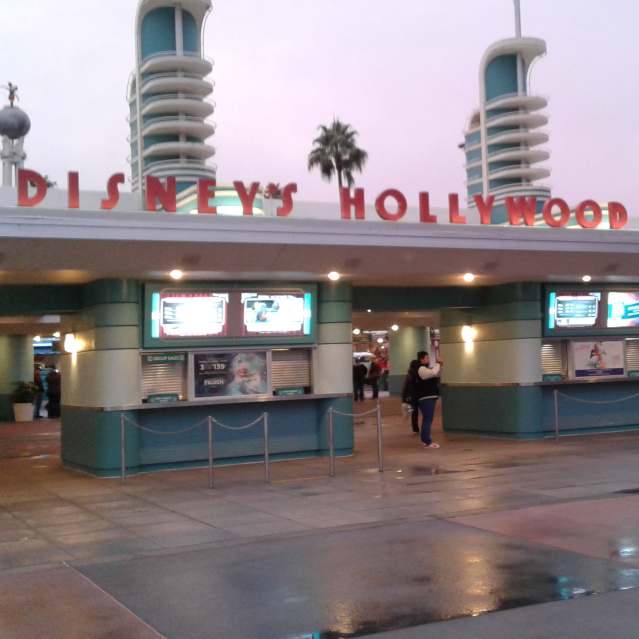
157, 310
601, 327
151, 338
306, 319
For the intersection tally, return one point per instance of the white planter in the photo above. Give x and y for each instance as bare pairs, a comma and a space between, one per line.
23, 412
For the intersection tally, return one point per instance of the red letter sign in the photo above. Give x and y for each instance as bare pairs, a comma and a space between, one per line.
155, 191
453, 210
28, 178
287, 200
564, 211
485, 208
113, 192
582, 220
521, 207
74, 190
424, 209
205, 191
617, 215
347, 201
384, 213
247, 197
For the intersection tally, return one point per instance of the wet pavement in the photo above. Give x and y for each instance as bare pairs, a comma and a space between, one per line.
351, 583
482, 538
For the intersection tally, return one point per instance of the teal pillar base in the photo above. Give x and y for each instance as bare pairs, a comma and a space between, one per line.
501, 411
6, 409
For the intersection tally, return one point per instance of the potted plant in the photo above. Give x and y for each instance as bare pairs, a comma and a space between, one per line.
23, 397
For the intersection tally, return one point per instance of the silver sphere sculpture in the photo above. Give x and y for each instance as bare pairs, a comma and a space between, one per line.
14, 123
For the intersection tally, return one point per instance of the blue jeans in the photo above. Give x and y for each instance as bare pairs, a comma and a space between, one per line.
427, 408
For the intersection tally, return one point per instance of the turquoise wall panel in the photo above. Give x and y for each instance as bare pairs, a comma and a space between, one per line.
501, 76
190, 35
91, 438
577, 417
158, 31
39, 300
507, 411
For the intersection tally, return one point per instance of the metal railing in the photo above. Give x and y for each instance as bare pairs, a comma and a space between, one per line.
595, 402
377, 411
210, 422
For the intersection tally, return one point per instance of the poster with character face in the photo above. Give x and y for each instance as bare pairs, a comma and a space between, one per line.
597, 359
235, 373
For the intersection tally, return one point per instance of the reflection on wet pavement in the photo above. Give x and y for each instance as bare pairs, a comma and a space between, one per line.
354, 583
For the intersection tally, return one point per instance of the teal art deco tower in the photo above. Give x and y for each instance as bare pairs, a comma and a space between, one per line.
168, 94
505, 134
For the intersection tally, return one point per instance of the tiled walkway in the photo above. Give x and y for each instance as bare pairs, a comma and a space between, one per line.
553, 506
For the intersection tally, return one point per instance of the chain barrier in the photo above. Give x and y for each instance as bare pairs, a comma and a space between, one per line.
593, 402
210, 421
331, 435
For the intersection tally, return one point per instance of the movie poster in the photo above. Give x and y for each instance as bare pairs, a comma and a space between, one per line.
229, 374
598, 359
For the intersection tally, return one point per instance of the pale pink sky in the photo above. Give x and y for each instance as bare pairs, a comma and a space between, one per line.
403, 73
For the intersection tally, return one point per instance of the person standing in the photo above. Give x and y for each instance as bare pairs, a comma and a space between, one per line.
54, 391
39, 395
408, 395
359, 377
373, 377
427, 393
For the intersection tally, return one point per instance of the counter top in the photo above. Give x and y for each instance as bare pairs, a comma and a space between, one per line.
591, 380
225, 401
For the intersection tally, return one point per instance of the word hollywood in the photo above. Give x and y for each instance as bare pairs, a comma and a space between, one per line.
391, 205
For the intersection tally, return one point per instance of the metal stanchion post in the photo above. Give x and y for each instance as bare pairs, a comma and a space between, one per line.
331, 444
380, 442
122, 448
556, 398
267, 467
210, 424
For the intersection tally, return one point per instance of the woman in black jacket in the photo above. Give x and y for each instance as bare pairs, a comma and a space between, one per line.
408, 395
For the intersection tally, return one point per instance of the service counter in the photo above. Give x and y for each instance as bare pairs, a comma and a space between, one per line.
527, 411
590, 406
175, 434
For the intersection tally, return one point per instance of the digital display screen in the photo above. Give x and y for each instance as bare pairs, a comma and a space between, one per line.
277, 314
573, 310
177, 315
623, 309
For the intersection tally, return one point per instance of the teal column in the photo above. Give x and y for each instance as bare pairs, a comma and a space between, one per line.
16, 365
333, 371
491, 385
104, 374
404, 346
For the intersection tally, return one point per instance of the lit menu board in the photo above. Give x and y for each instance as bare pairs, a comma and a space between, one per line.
573, 310
276, 314
186, 314
623, 309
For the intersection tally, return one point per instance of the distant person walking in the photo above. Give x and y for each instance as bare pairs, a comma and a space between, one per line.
359, 378
54, 391
408, 395
427, 393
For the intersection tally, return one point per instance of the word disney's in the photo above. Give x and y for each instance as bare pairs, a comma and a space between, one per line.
390, 205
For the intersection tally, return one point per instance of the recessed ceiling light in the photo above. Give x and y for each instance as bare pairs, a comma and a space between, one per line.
334, 276
369, 310
357, 331
380, 340
37, 338
394, 327
176, 274
57, 335
586, 278
469, 277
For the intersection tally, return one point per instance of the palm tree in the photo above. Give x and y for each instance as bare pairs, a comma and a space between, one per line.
336, 153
